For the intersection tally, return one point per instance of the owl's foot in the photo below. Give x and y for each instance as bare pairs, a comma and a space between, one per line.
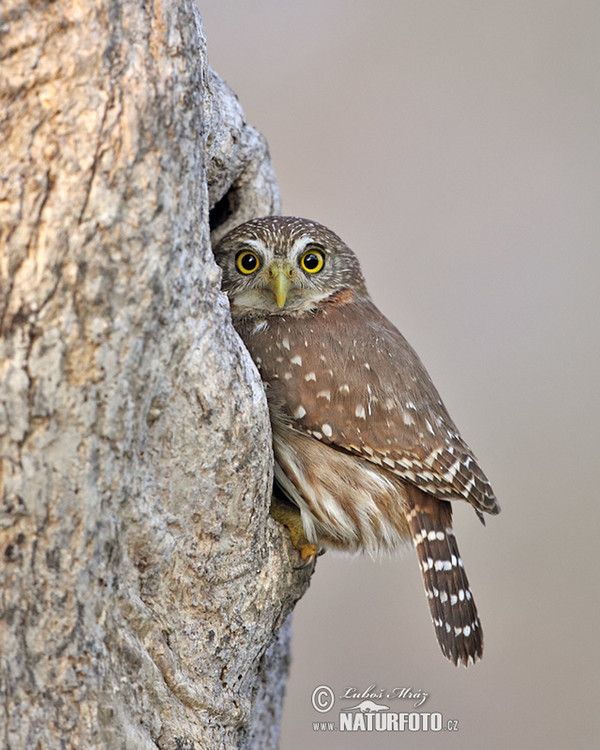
289, 515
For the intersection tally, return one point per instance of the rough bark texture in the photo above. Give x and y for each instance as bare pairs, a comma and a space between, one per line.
142, 582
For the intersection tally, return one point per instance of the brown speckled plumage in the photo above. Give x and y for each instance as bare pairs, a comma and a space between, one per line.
363, 443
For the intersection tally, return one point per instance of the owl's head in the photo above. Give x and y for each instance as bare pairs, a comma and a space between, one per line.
280, 264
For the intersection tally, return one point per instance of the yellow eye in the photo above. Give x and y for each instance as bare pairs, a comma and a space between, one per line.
247, 262
312, 261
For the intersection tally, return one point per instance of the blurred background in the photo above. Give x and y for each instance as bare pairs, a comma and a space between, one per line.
455, 146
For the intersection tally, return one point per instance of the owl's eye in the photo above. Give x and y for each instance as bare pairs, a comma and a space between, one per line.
247, 262
312, 261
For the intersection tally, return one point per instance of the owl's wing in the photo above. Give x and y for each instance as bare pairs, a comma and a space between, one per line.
350, 379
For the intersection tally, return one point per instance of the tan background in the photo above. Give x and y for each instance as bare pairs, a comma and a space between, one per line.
456, 147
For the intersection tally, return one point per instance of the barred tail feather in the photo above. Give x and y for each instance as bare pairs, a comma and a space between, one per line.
453, 610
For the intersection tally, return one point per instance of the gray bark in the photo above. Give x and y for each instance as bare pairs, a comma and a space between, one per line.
143, 585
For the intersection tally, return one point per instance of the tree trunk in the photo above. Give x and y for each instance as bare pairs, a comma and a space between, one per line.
143, 584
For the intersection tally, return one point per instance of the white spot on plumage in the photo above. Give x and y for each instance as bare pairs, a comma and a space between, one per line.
310, 376
429, 461
287, 375
468, 486
452, 471
297, 360
407, 419
260, 326
344, 388
443, 597
360, 412
324, 394
327, 431
286, 343
367, 366
300, 412
316, 434
410, 405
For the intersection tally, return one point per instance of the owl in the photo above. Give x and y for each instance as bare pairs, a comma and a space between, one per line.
364, 447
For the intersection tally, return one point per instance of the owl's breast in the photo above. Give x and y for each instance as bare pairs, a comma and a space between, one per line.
298, 360
342, 376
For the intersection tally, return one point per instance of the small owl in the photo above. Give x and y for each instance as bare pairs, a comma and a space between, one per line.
363, 444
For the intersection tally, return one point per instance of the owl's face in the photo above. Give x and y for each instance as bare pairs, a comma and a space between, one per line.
282, 264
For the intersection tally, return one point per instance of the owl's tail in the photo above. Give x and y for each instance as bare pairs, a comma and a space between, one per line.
453, 610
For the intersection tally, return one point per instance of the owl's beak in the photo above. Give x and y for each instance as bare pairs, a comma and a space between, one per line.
280, 281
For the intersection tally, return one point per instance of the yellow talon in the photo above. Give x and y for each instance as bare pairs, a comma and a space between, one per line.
287, 514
